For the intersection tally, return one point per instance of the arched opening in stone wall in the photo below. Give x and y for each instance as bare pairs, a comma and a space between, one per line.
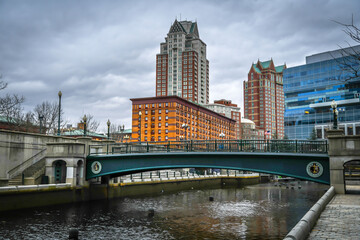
352, 176
59, 167
80, 173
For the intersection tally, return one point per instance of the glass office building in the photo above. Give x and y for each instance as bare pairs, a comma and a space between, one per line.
309, 90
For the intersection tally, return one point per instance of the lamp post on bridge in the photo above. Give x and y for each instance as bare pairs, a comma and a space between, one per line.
121, 128
59, 94
335, 111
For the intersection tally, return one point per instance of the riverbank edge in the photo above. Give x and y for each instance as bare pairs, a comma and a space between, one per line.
21, 198
303, 228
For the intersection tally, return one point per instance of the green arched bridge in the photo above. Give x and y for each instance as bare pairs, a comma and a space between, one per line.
306, 160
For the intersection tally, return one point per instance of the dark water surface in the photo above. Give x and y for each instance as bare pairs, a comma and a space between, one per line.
261, 211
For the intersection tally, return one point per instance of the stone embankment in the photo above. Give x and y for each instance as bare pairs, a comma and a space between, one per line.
306, 224
27, 196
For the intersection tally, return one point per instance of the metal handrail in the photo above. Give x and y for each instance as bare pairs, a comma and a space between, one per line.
285, 146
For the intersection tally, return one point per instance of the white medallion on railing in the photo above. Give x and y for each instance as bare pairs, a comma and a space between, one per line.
314, 169
96, 167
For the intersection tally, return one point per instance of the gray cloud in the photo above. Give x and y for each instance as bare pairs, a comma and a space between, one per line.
102, 53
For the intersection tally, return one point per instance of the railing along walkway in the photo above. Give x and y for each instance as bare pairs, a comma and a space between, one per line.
272, 146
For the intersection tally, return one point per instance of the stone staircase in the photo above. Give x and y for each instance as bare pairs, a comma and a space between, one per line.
15, 181
32, 173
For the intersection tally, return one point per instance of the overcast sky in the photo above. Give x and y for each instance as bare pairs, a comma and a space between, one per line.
102, 53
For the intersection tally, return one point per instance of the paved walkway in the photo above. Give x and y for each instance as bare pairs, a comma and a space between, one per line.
340, 219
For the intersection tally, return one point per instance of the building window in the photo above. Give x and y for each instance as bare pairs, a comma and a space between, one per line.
159, 118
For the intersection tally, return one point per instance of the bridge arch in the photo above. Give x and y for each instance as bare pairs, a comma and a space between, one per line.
286, 164
351, 175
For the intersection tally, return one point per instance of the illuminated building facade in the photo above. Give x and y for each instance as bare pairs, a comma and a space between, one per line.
171, 118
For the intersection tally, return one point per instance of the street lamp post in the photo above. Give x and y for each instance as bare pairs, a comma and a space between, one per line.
41, 117
335, 111
122, 128
185, 126
59, 94
108, 124
140, 126
84, 119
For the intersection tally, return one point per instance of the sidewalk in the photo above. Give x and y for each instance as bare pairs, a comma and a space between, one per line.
339, 220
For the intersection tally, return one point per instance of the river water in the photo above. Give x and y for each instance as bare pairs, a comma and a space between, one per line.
262, 211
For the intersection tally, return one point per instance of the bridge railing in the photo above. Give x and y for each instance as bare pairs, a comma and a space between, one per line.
285, 146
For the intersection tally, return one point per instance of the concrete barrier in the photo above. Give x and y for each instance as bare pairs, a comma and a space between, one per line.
305, 225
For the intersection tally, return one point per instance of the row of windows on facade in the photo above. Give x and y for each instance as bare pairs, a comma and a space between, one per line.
186, 67
190, 54
177, 137
180, 107
187, 62
217, 127
193, 133
264, 83
202, 116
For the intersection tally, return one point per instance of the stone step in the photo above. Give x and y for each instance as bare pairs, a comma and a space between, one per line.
15, 181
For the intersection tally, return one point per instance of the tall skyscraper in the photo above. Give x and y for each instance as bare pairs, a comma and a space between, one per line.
181, 67
309, 90
264, 98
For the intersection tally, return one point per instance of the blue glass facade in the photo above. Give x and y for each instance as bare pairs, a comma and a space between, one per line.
309, 90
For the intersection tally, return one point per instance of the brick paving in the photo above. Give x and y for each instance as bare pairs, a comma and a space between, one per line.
339, 220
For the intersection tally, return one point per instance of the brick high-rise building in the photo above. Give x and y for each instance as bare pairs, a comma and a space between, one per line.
172, 118
230, 110
264, 98
181, 67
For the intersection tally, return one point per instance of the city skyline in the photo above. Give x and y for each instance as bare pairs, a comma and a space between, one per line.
94, 57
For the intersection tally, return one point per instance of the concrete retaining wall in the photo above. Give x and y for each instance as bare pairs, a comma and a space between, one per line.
12, 198
305, 225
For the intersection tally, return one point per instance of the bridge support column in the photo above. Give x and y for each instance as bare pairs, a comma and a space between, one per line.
342, 149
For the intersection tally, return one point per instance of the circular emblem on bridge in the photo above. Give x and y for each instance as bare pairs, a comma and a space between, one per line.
314, 169
96, 167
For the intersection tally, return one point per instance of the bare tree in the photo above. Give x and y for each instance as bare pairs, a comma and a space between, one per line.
49, 112
11, 106
91, 123
349, 62
3, 84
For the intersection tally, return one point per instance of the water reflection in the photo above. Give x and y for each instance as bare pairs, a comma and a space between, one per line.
262, 211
